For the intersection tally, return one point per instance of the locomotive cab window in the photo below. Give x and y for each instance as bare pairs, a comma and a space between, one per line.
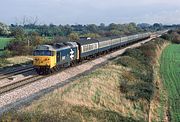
43, 53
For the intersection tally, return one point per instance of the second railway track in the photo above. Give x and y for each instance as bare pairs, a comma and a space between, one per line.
24, 82
18, 84
16, 72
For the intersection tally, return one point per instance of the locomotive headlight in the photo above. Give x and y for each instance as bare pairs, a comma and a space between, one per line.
46, 59
36, 59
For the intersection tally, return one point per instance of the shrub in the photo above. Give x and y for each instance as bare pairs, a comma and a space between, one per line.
6, 54
124, 86
173, 36
135, 53
176, 38
140, 61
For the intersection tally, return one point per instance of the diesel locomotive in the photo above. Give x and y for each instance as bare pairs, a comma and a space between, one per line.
48, 58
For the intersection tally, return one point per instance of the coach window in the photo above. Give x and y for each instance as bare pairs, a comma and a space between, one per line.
85, 48
90, 46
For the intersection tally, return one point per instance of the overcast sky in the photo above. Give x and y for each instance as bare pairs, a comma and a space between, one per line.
91, 11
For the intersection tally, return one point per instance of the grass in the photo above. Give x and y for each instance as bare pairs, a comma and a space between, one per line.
72, 114
119, 91
94, 97
4, 42
15, 61
170, 70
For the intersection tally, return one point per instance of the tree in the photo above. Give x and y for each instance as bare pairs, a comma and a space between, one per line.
18, 33
132, 27
157, 26
30, 21
58, 39
115, 33
67, 29
43, 30
73, 36
92, 28
91, 35
102, 26
4, 29
113, 26
34, 39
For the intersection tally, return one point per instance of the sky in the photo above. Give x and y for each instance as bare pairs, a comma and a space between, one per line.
91, 11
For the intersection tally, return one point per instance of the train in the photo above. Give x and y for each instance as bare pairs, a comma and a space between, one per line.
49, 58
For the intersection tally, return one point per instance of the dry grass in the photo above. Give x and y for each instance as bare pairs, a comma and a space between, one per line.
117, 91
99, 90
159, 102
6, 62
94, 97
19, 59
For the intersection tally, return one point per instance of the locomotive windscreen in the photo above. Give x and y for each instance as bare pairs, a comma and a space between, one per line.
43, 53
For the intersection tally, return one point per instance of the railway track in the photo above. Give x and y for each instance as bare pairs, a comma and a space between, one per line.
15, 72
21, 83
16, 85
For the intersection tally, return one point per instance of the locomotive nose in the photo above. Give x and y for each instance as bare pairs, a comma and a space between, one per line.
42, 61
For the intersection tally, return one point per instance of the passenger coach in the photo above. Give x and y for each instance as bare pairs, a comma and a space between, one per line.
48, 58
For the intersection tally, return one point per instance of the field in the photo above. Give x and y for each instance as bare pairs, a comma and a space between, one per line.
170, 70
4, 42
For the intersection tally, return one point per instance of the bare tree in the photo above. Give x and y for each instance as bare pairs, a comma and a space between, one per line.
27, 21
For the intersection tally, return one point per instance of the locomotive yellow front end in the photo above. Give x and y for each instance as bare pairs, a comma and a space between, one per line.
44, 59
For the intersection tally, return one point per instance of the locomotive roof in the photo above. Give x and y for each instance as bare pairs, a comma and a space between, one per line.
57, 46
65, 44
45, 47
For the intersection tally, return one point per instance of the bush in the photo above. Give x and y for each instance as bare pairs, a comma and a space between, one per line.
140, 61
135, 53
176, 38
23, 44
124, 86
173, 36
7, 54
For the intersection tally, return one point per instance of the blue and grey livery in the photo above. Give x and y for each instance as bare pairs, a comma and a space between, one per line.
49, 57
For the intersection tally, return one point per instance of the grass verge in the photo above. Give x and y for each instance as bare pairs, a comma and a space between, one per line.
122, 90
170, 69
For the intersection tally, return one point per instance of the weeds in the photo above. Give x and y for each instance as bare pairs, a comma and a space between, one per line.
96, 98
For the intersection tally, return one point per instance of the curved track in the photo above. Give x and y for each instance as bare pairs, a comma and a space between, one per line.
18, 84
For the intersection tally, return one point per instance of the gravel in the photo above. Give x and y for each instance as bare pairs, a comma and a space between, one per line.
27, 94
18, 77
